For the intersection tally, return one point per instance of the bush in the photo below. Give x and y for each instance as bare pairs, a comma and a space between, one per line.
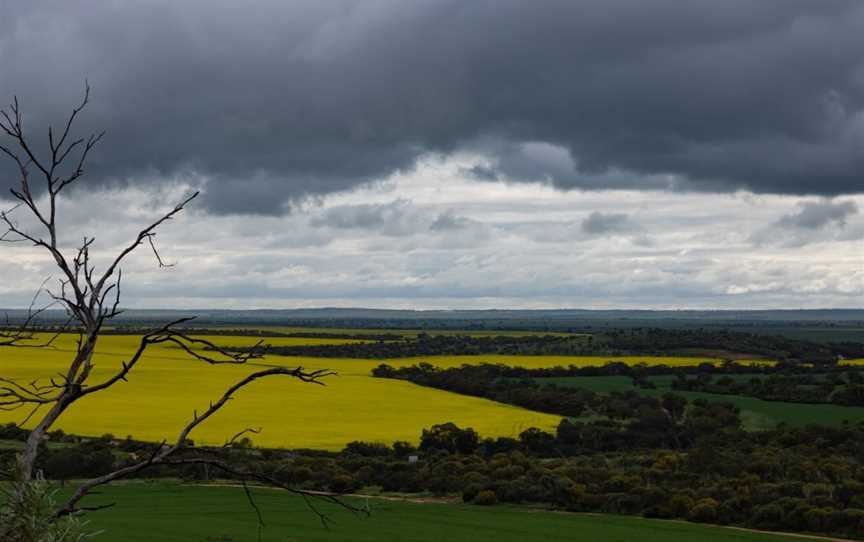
471, 492
366, 449
486, 498
680, 505
341, 483
769, 516
29, 514
704, 511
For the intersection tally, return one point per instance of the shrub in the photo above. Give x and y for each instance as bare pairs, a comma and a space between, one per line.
471, 492
29, 514
704, 511
680, 505
486, 498
341, 483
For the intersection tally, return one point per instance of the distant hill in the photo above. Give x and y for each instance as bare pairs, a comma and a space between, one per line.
563, 319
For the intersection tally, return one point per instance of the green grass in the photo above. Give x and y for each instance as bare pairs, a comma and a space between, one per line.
755, 413
175, 513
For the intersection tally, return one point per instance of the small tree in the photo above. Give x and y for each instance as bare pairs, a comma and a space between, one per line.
90, 298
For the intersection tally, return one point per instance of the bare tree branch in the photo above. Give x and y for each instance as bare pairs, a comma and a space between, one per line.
233, 440
163, 452
23, 333
91, 299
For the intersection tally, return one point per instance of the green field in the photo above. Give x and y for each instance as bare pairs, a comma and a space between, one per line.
755, 413
174, 513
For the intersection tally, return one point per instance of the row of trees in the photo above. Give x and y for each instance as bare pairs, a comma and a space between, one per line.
804, 479
839, 388
640, 341
536, 389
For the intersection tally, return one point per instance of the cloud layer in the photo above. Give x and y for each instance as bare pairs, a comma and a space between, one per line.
432, 238
273, 101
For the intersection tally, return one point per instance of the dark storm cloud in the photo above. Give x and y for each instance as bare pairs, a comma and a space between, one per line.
276, 100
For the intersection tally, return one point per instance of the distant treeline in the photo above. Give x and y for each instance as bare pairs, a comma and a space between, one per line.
526, 387
775, 347
643, 341
500, 383
241, 332
444, 345
846, 388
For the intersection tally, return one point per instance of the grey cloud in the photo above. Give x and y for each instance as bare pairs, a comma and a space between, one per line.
449, 221
816, 215
400, 218
274, 101
282, 261
599, 223
813, 222
483, 173
395, 218
555, 163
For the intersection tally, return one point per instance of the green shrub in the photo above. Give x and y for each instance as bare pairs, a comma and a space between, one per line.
486, 498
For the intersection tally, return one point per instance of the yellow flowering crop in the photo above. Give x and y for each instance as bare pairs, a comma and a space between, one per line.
167, 386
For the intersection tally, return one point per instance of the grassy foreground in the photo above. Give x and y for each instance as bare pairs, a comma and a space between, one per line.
176, 513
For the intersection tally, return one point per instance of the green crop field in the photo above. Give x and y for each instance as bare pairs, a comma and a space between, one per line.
755, 413
175, 513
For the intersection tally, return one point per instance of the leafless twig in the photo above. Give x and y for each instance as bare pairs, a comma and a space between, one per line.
91, 298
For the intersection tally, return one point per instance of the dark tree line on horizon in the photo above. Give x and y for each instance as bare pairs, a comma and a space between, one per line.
641, 341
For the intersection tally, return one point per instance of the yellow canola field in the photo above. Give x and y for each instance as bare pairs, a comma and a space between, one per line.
166, 387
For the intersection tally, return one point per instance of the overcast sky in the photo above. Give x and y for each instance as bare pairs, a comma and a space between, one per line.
458, 154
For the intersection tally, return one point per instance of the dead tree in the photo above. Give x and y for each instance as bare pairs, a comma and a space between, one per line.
90, 298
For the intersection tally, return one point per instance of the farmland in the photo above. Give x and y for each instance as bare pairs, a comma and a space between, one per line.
755, 413
466, 421
147, 512
432, 271
167, 387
